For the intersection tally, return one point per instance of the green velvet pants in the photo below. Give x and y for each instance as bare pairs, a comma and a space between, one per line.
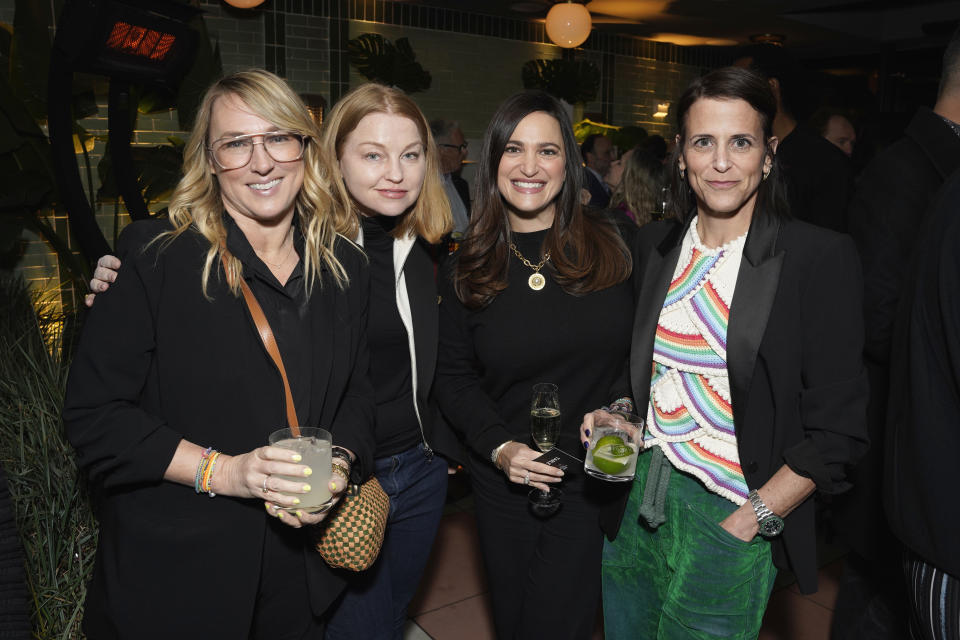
688, 578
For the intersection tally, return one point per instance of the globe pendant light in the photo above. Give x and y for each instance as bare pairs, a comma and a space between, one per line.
244, 4
568, 24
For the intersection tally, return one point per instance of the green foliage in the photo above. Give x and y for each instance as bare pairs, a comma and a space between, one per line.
393, 64
56, 525
159, 166
575, 81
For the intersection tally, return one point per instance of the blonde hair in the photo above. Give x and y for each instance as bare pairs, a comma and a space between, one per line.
430, 217
197, 202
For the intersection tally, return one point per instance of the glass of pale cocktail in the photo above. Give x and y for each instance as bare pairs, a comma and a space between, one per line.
614, 444
313, 444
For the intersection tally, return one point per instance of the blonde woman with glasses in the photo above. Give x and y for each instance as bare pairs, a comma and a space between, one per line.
172, 394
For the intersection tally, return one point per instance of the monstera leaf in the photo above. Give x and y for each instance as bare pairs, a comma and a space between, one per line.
575, 81
394, 64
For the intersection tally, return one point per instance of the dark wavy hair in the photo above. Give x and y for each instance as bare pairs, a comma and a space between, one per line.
587, 252
729, 83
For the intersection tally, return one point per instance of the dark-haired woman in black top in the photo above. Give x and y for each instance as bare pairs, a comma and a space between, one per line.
504, 330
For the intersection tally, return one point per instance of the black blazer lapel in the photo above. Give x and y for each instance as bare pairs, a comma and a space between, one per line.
656, 282
422, 293
326, 334
757, 282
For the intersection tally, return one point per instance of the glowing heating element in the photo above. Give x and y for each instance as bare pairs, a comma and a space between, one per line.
140, 41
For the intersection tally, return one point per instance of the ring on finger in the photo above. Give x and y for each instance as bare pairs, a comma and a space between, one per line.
526, 478
265, 478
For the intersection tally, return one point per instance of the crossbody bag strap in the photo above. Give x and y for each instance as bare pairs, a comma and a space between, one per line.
270, 342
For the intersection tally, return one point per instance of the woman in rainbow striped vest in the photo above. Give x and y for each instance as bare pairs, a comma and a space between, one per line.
746, 357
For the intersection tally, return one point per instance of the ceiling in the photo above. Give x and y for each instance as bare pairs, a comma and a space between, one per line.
817, 28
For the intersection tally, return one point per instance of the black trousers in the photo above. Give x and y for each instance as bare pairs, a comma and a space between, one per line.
543, 573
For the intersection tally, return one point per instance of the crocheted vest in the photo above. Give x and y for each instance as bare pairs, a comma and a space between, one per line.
690, 416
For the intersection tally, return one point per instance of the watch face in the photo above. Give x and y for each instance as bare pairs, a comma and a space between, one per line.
771, 526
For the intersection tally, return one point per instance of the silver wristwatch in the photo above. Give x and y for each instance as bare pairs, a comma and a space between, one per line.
770, 523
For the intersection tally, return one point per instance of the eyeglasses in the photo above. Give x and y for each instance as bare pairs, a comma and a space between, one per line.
235, 152
458, 147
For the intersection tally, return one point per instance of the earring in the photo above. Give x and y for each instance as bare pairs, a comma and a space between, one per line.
766, 173
683, 173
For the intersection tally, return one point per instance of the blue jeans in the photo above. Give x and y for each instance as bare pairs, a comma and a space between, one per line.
374, 605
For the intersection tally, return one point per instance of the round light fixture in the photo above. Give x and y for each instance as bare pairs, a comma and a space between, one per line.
568, 24
244, 4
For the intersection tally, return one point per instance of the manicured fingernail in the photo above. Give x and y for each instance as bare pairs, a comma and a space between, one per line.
586, 445
296, 501
587, 431
308, 471
280, 514
266, 506
296, 457
299, 513
306, 488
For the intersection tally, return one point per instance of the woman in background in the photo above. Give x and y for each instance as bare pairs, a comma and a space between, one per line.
637, 180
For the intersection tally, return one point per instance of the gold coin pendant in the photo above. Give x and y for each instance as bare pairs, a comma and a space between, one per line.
536, 281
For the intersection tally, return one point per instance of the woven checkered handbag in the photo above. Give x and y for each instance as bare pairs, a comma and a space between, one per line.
353, 533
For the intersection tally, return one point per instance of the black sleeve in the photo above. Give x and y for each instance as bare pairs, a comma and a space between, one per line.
462, 399
884, 220
353, 425
833, 398
117, 442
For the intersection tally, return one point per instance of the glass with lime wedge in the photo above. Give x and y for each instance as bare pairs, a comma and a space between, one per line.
614, 444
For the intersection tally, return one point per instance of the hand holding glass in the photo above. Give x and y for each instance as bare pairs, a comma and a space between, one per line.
313, 445
614, 443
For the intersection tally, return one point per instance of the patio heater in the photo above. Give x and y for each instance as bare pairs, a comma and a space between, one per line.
130, 42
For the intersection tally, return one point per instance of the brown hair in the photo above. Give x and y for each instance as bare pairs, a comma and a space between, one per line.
430, 217
587, 253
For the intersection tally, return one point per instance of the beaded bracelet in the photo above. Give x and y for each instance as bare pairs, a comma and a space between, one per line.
201, 468
203, 480
207, 483
338, 469
620, 405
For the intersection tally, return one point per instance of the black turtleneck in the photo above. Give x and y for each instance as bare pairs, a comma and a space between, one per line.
397, 425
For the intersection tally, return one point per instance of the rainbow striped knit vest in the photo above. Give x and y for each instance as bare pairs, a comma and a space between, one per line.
690, 416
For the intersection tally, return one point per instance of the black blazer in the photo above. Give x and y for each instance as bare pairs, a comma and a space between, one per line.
794, 343
158, 362
599, 196
420, 271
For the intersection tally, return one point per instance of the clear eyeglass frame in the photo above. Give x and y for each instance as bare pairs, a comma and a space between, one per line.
277, 144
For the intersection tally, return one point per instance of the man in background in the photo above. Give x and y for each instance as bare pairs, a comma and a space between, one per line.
453, 151
819, 177
836, 129
597, 154
886, 215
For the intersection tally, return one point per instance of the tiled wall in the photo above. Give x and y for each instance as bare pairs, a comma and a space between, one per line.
475, 61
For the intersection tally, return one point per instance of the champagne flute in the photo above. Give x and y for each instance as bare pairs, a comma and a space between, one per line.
545, 416
545, 429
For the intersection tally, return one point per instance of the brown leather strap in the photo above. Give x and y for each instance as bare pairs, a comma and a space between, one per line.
266, 334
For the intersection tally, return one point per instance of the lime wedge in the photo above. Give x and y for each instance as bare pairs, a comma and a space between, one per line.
612, 458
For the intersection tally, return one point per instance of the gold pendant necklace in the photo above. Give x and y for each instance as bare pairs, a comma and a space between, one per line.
536, 281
